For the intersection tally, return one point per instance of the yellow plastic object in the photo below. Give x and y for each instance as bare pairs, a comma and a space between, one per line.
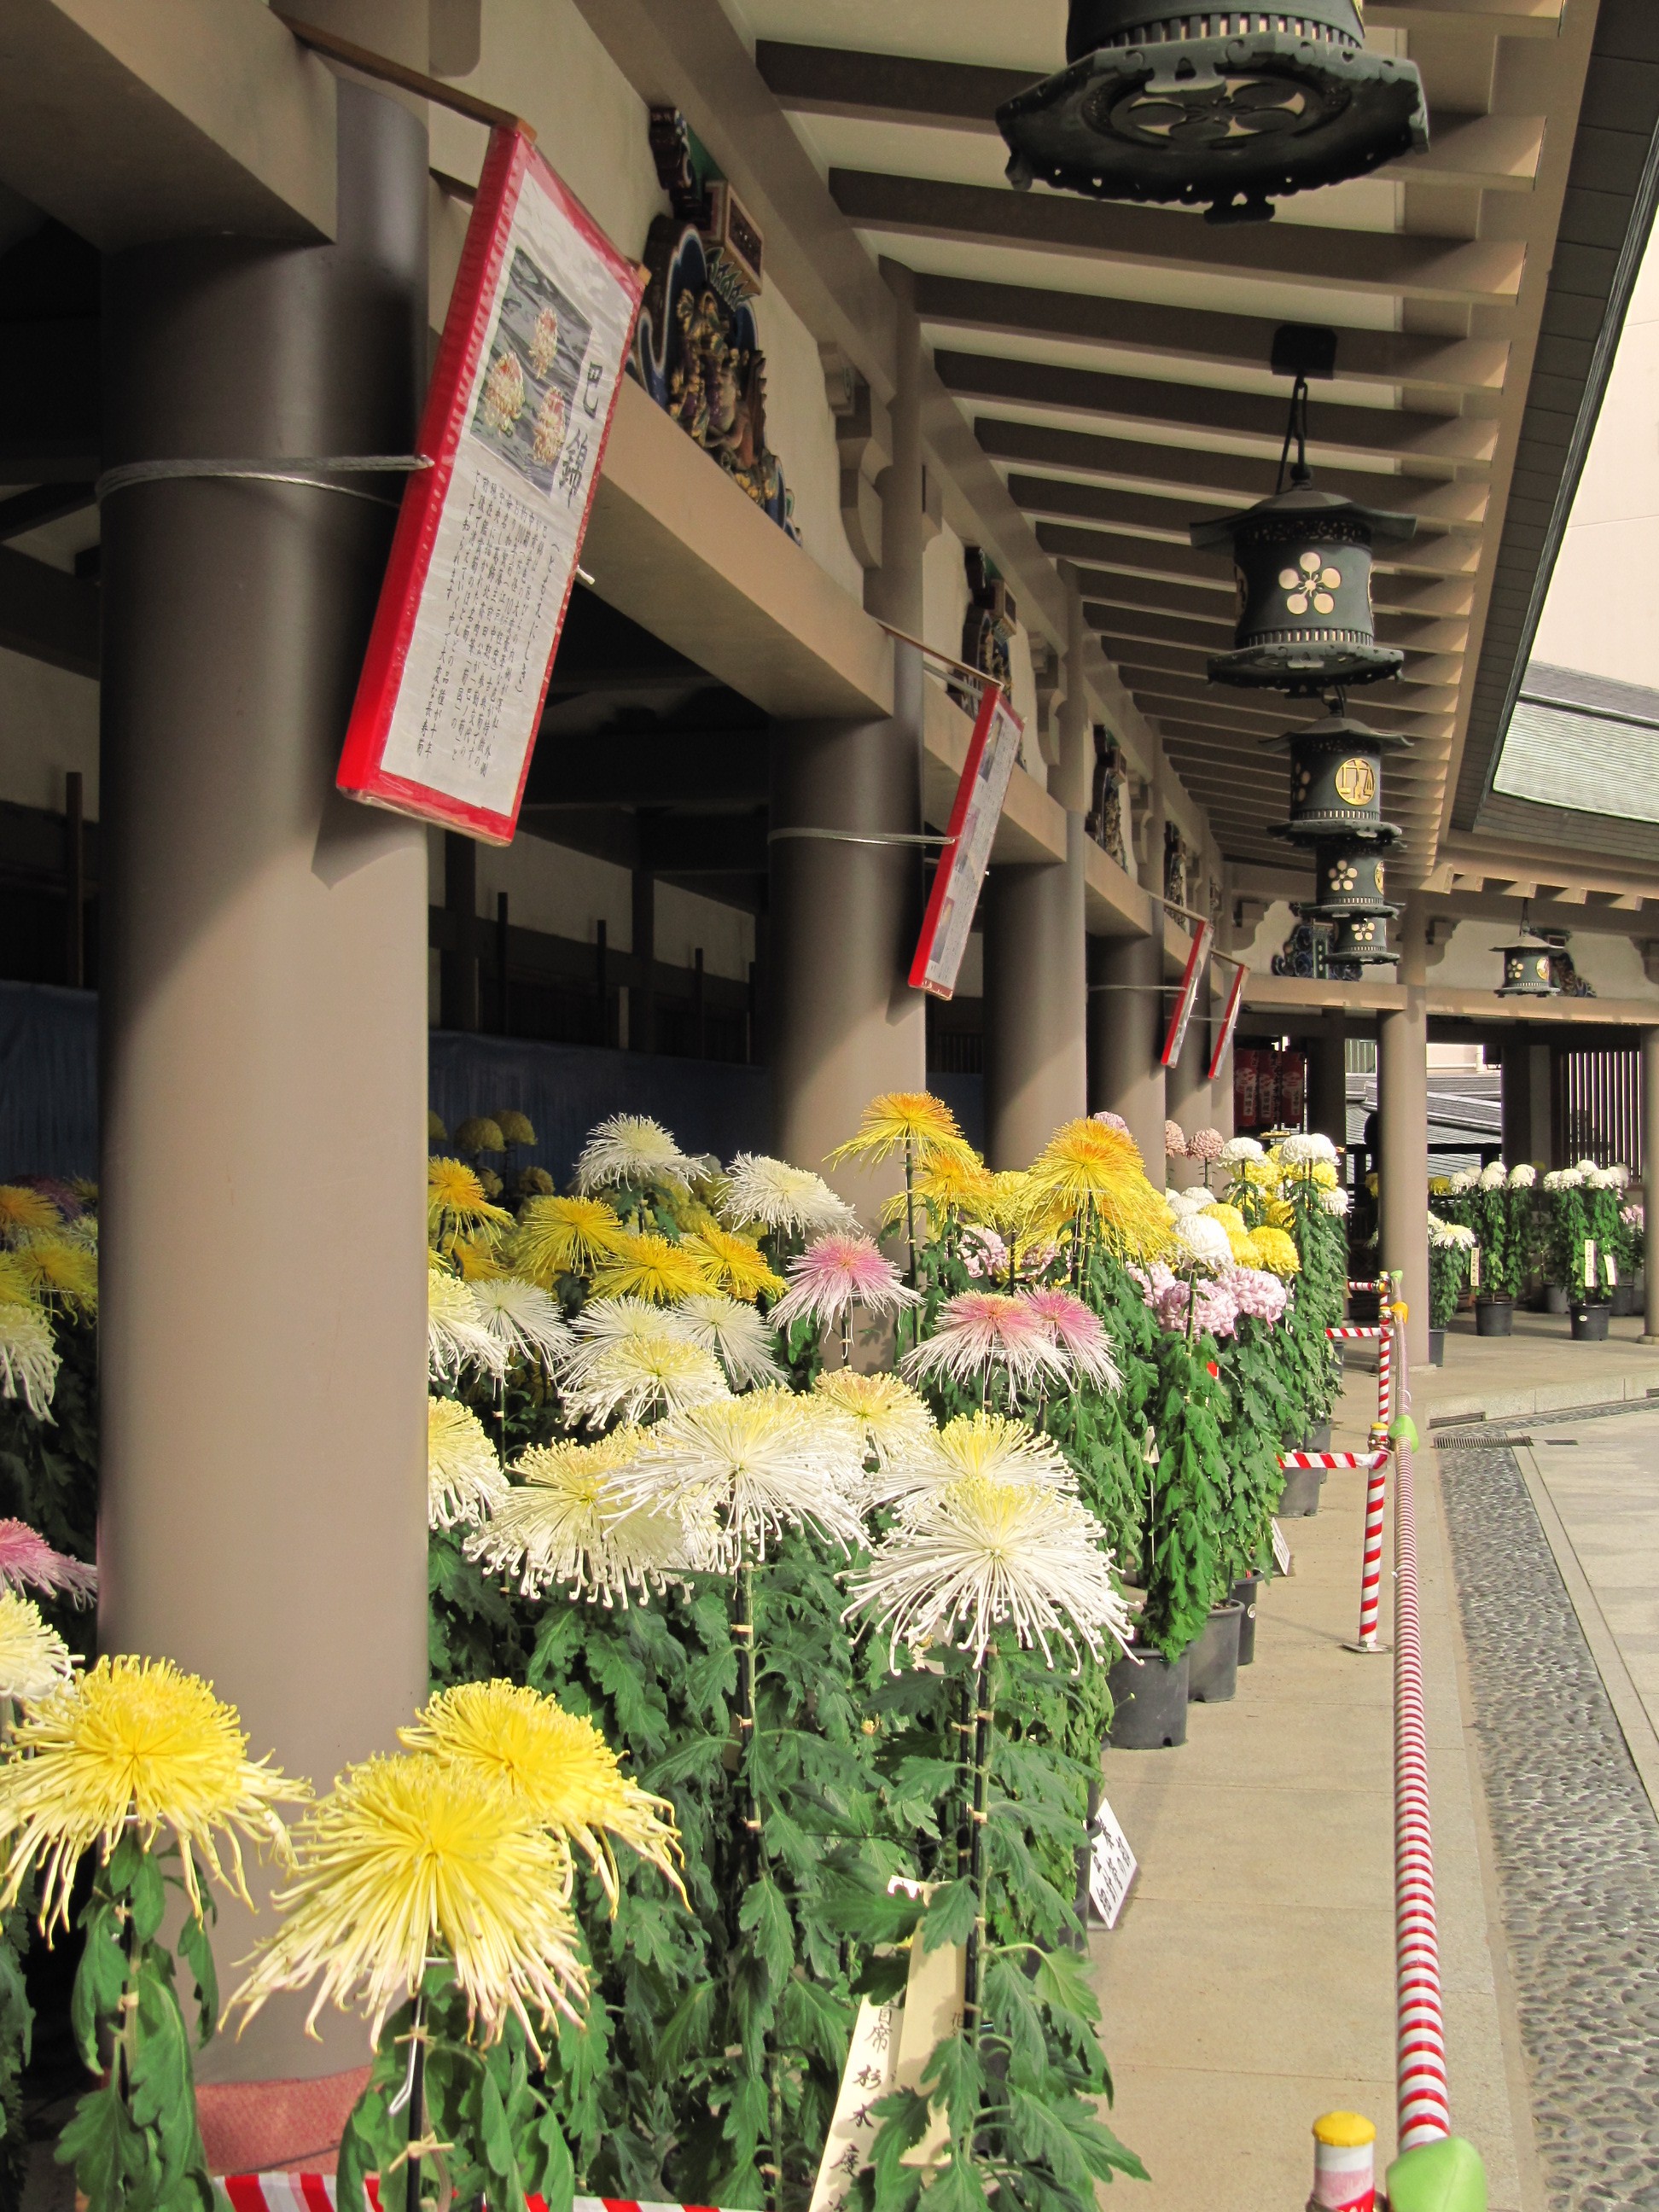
1344, 2131
1401, 1312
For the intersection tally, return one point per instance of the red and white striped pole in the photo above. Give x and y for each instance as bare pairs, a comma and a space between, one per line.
1424, 2116
1370, 1571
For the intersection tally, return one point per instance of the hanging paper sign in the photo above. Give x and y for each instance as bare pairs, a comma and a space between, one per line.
1229, 1024
1474, 1267
485, 552
1191, 975
1112, 1864
1590, 1263
871, 2073
992, 750
1281, 1550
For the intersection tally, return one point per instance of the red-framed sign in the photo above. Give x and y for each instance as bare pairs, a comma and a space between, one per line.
992, 752
534, 344
1175, 1036
1229, 1022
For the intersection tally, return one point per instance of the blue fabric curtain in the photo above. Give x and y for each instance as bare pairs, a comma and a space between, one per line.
48, 1080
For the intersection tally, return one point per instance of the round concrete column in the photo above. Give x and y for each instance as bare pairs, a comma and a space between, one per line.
1126, 1018
1186, 1095
1328, 1083
1651, 1169
1035, 1065
264, 1008
1402, 1091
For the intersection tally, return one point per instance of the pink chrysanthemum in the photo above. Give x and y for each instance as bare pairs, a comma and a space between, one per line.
1217, 1311
1112, 1120
833, 1275
1174, 1141
28, 1562
1079, 1334
1205, 1145
983, 1333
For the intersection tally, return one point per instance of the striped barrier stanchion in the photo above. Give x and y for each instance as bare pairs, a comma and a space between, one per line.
1352, 1331
1348, 1462
1370, 1569
1424, 2116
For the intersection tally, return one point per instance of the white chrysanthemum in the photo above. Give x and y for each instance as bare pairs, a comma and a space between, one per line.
778, 1196
1182, 1202
34, 1660
758, 1464
1306, 1150
603, 1322
30, 1358
1461, 1180
1205, 1239
562, 1524
986, 1553
637, 1377
464, 1479
525, 1322
1523, 1177
895, 1420
1600, 1179
632, 1148
1000, 1448
1565, 1179
738, 1337
1619, 1175
1492, 1177
1237, 1150
1449, 1235
456, 1337
1335, 1201
1585, 1167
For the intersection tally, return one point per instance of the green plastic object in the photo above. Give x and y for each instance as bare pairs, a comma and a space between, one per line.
1438, 2177
1404, 1431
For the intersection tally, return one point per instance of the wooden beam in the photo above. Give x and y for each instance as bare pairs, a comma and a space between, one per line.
1162, 691
1106, 564
1431, 674
47, 614
1503, 19
1239, 342
1395, 264
1180, 471
1119, 599
41, 504
1390, 432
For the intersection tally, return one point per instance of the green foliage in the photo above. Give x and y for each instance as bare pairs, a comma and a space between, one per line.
16, 2046
1449, 1275
1258, 1422
1568, 1219
1183, 1548
134, 2141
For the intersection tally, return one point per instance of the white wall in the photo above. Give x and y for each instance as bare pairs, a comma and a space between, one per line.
48, 724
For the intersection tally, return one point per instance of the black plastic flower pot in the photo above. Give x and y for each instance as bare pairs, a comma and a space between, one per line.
1556, 1300
1300, 1496
1589, 1324
1248, 1591
1437, 1347
1623, 1301
1212, 1661
1149, 1703
1494, 1316
1318, 1437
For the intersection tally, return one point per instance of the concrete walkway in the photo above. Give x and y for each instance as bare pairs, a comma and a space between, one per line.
1249, 1984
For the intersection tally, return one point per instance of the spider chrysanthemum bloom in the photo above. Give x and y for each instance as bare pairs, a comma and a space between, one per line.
1275, 1250
28, 1562
34, 1660
997, 1446
952, 1184
980, 1334
984, 1554
62, 1270
563, 1236
771, 1194
456, 1337
649, 1267
29, 1358
758, 1465
911, 1122
559, 1768
1012, 1204
1087, 1168
742, 1342
560, 1523
731, 1263
407, 1858
1080, 1335
632, 1148
475, 1260
525, 1322
463, 1479
134, 1743
637, 1376
25, 1212
896, 1422
833, 1275
456, 1205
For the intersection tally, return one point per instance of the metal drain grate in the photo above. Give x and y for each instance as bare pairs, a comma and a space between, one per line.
1477, 1440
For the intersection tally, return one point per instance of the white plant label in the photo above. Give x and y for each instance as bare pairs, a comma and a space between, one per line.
1281, 1551
1112, 1864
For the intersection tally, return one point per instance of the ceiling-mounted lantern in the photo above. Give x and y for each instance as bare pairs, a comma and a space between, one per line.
1228, 108
1363, 937
1528, 971
1350, 871
1303, 564
1336, 777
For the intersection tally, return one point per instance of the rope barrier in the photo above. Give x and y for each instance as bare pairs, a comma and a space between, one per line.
1348, 1462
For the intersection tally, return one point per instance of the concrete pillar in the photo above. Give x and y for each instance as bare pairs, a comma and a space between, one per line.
1186, 1095
1651, 1169
1072, 784
844, 1022
264, 1045
1327, 1081
1035, 1065
1402, 1091
457, 965
1126, 1034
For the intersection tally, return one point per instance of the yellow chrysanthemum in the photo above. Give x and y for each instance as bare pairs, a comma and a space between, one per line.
1243, 1246
15, 1287
560, 1523
26, 1212
731, 1263
895, 1419
1090, 1166
34, 1660
436, 1132
563, 1236
1275, 1250
1262, 1175
456, 1205
479, 1132
1324, 1175
557, 1766
134, 1743
912, 1122
1011, 1204
1230, 1218
1281, 1214
61, 1271
954, 1183
514, 1125
647, 1266
407, 1858
476, 1259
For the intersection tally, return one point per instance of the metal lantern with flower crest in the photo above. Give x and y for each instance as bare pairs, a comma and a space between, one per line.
1529, 969
1231, 107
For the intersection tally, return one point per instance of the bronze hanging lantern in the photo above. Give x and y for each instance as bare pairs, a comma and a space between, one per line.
1350, 871
1226, 108
1363, 938
1336, 777
1528, 967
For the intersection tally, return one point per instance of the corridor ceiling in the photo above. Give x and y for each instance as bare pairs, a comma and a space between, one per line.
1112, 361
